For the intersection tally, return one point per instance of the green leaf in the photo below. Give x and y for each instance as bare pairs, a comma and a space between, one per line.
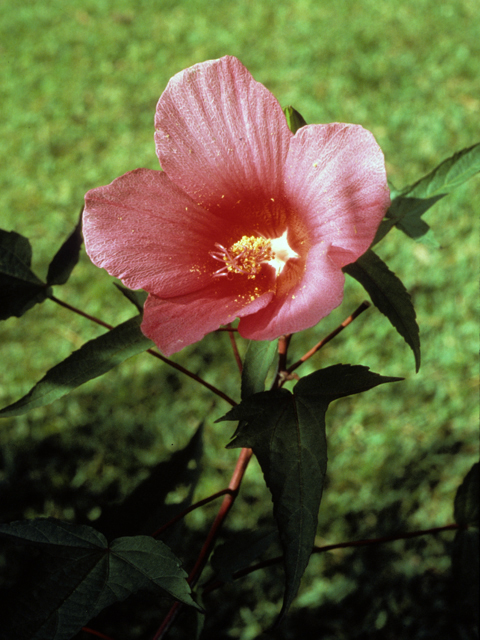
413, 201
258, 359
295, 120
136, 297
20, 289
466, 506
449, 175
66, 257
93, 359
84, 575
406, 215
287, 434
389, 296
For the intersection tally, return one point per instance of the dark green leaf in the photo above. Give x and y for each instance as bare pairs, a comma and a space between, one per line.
287, 434
449, 175
66, 257
339, 381
288, 439
136, 297
386, 225
466, 508
295, 120
20, 289
390, 297
85, 574
413, 201
406, 214
93, 359
258, 359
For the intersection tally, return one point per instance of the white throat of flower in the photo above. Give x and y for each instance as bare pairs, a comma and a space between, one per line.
248, 254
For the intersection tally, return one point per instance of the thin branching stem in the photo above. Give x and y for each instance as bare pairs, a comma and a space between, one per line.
194, 376
283, 344
80, 312
363, 307
227, 503
233, 342
156, 354
216, 584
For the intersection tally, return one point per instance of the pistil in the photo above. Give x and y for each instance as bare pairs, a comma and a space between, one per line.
247, 255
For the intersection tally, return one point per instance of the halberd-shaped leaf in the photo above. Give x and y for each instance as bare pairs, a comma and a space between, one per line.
413, 201
258, 359
287, 434
20, 289
93, 359
66, 257
85, 575
389, 296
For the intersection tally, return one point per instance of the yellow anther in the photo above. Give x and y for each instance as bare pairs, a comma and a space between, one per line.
247, 255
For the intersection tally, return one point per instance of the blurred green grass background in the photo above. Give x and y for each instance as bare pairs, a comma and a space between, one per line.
79, 82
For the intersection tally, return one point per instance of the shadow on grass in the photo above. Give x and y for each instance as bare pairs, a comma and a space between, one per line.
389, 593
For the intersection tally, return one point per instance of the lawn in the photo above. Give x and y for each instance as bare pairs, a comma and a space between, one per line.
79, 83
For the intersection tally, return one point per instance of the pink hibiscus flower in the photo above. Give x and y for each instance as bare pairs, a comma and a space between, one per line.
246, 219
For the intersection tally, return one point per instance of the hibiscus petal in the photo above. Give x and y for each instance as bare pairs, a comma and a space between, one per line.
335, 175
221, 135
146, 231
318, 293
177, 322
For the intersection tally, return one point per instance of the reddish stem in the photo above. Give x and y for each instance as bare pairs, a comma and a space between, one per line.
96, 633
283, 344
330, 336
156, 354
233, 342
80, 312
227, 503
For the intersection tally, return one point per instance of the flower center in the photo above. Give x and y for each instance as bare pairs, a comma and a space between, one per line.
247, 255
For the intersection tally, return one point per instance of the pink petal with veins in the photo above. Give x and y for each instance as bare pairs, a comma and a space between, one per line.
197, 236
